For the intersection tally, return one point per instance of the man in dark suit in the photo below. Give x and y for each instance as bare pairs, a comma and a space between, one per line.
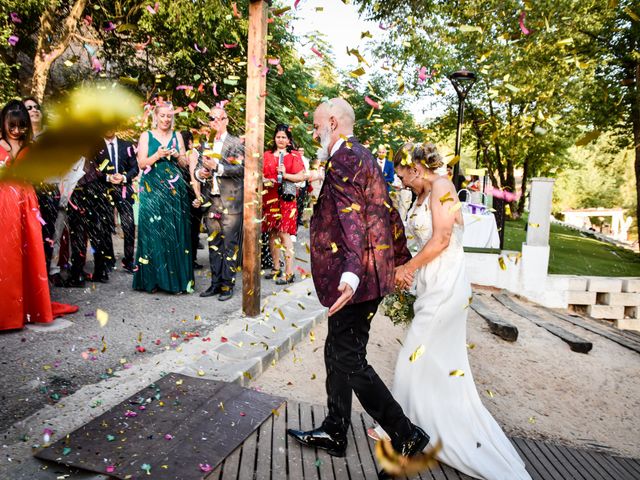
357, 240
120, 171
222, 173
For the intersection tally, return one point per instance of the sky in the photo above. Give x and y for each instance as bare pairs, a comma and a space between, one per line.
342, 27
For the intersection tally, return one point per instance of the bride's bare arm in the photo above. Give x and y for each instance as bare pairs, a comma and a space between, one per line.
443, 214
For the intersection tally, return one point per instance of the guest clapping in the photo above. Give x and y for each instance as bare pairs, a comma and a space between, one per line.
164, 254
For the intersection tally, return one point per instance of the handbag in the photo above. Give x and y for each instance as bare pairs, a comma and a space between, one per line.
287, 191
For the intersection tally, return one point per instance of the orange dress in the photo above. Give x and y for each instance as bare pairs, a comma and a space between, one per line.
24, 287
279, 215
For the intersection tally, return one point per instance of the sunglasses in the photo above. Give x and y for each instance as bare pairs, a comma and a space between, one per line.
214, 119
33, 107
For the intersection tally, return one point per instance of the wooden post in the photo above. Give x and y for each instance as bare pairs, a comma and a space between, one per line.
254, 149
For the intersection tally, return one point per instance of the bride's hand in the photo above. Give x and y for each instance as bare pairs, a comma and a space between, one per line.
404, 277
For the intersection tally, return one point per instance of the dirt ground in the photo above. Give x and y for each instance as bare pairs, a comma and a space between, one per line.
536, 387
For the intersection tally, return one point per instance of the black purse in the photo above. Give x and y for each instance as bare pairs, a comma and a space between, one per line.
287, 191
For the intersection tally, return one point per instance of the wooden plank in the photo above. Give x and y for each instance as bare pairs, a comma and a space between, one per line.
254, 151
630, 465
356, 467
546, 460
534, 467
604, 331
323, 461
583, 467
341, 470
311, 470
497, 325
589, 461
231, 465
364, 446
608, 463
248, 456
570, 463
294, 449
576, 343
263, 454
279, 444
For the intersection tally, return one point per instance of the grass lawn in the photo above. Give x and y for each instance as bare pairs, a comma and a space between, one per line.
573, 253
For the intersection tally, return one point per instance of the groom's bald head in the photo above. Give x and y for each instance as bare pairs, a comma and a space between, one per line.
333, 119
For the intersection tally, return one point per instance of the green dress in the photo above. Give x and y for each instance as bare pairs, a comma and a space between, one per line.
163, 254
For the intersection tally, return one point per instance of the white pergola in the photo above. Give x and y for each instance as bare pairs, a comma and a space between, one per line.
581, 218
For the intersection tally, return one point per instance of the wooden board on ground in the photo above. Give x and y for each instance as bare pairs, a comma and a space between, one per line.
576, 343
174, 428
498, 326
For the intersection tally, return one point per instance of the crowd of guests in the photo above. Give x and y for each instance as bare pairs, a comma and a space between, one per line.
182, 187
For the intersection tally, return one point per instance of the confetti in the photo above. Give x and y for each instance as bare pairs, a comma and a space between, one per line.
146, 467
102, 316
490, 393
502, 263
523, 29
317, 52
372, 103
534, 225
446, 198
205, 467
416, 354
456, 373
13, 40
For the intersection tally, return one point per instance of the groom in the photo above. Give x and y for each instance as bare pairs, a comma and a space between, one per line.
356, 240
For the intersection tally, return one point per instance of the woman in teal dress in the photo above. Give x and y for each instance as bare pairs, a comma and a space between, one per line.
163, 257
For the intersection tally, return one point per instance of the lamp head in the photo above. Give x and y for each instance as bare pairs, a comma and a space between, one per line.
462, 81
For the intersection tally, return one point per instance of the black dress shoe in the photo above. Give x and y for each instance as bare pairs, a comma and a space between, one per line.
335, 446
75, 282
128, 267
102, 277
226, 295
211, 291
415, 444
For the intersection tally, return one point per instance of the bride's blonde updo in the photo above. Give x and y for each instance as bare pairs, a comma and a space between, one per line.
426, 154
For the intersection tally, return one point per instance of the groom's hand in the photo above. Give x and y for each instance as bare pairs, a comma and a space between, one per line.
347, 293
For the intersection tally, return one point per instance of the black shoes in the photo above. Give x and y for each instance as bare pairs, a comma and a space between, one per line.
128, 266
286, 279
226, 295
334, 445
102, 277
415, 444
211, 291
272, 275
75, 282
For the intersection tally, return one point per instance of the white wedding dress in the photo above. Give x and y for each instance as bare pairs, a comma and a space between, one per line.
431, 388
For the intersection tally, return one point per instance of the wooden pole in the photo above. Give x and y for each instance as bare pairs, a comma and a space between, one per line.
254, 150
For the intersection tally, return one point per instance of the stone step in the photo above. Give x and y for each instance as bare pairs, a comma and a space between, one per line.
604, 284
627, 299
609, 312
581, 298
631, 285
628, 324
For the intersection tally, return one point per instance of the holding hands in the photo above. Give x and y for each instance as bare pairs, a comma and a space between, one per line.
210, 163
116, 178
404, 276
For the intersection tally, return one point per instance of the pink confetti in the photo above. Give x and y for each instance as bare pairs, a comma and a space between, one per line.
372, 103
146, 170
306, 114
274, 61
264, 72
224, 339
502, 194
422, 75
15, 18
205, 467
110, 468
296, 3
130, 414
95, 63
74, 206
524, 29
317, 52
184, 87
13, 40
124, 192
87, 20
215, 89
382, 27
110, 27
204, 50
168, 436
235, 10
39, 217
151, 10
230, 45
173, 180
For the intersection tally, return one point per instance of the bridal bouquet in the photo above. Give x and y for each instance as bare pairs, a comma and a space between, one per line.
398, 306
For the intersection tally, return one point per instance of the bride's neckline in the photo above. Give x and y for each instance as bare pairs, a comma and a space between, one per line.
424, 200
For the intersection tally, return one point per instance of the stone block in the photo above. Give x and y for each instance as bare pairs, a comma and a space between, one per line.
576, 283
604, 284
626, 299
610, 312
224, 369
581, 297
631, 285
628, 324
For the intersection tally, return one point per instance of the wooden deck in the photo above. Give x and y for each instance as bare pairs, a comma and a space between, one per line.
268, 454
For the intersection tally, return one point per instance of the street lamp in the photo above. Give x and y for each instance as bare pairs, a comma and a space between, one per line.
462, 81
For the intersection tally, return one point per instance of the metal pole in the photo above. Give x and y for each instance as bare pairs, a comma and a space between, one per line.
456, 167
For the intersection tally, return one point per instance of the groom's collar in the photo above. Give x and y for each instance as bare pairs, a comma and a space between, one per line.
338, 144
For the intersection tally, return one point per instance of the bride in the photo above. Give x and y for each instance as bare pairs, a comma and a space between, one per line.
433, 381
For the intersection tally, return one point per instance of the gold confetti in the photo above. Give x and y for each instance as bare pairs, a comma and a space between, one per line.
471, 346
501, 262
312, 336
144, 261
334, 247
490, 393
313, 376
201, 373
532, 420
534, 225
446, 198
102, 316
178, 382
247, 375
221, 406
416, 354
455, 207
456, 373
281, 313
398, 465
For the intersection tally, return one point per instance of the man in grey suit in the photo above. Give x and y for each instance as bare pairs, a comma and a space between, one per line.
222, 173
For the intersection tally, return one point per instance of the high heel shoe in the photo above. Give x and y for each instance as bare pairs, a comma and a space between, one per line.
286, 279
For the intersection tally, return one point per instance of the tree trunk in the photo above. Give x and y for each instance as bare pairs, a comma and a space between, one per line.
47, 51
523, 188
635, 116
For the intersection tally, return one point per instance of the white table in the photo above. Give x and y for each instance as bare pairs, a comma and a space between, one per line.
480, 231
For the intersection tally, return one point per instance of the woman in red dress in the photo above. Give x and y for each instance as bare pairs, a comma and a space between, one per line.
24, 288
282, 163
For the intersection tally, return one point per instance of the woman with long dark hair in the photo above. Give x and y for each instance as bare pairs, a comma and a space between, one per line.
24, 289
282, 167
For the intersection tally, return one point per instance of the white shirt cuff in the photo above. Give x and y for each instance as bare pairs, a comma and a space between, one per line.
351, 279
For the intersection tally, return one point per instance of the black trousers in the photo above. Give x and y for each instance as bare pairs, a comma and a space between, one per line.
124, 206
225, 237
345, 356
88, 219
48, 200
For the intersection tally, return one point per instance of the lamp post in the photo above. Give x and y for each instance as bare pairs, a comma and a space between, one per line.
462, 81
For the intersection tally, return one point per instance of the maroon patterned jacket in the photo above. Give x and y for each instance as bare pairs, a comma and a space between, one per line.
354, 228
